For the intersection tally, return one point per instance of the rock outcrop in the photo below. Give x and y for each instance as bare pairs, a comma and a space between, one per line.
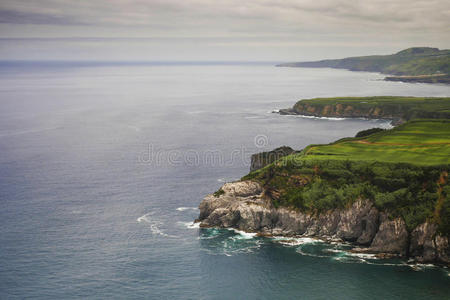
344, 111
432, 78
244, 205
260, 160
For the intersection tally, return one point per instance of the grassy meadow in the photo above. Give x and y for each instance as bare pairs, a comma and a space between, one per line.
425, 142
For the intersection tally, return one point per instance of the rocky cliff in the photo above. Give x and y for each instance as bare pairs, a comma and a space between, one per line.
341, 111
244, 205
398, 109
435, 78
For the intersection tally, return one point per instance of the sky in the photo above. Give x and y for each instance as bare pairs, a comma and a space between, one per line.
213, 30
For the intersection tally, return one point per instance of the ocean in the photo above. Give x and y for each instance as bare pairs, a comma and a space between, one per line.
102, 167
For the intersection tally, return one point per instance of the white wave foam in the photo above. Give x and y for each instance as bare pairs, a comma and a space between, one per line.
319, 118
296, 241
335, 251
421, 267
154, 225
184, 208
143, 219
244, 235
362, 255
290, 242
190, 225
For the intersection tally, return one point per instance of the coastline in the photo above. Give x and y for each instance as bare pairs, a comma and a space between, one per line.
251, 205
414, 65
291, 112
244, 206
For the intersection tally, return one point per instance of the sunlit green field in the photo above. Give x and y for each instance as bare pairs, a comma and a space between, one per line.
423, 142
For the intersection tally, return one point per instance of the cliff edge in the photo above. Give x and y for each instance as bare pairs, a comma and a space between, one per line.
398, 109
244, 205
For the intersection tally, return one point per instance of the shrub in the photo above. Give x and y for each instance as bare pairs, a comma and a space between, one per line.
367, 132
218, 193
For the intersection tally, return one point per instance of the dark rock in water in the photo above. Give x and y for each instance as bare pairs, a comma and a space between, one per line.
287, 111
260, 160
244, 205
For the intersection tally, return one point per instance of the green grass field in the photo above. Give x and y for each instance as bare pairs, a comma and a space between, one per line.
422, 142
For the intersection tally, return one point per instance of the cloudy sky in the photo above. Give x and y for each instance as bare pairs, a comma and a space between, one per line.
272, 30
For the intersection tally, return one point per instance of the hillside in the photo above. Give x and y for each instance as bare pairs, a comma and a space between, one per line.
423, 62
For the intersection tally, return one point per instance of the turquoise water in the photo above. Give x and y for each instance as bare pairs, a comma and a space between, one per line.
102, 168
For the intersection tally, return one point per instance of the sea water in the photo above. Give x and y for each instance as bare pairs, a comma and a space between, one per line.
102, 168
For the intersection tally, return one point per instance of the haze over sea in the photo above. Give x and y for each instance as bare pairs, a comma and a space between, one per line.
103, 166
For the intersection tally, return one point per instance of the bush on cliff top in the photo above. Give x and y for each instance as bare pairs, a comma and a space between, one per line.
368, 132
402, 190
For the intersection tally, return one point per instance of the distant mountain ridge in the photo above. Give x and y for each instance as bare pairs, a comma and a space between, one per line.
417, 64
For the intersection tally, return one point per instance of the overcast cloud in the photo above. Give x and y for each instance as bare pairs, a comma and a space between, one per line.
210, 29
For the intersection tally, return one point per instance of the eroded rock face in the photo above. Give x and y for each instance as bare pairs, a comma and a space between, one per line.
244, 206
422, 243
392, 237
427, 245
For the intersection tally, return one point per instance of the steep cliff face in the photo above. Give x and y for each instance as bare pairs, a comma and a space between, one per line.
244, 205
377, 107
346, 111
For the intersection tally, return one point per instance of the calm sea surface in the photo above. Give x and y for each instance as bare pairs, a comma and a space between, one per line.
102, 168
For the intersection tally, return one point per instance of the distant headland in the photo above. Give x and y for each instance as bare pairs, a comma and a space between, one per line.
417, 64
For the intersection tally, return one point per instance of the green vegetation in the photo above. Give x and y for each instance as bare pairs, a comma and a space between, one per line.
404, 171
412, 61
262, 159
419, 142
367, 132
218, 193
376, 107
